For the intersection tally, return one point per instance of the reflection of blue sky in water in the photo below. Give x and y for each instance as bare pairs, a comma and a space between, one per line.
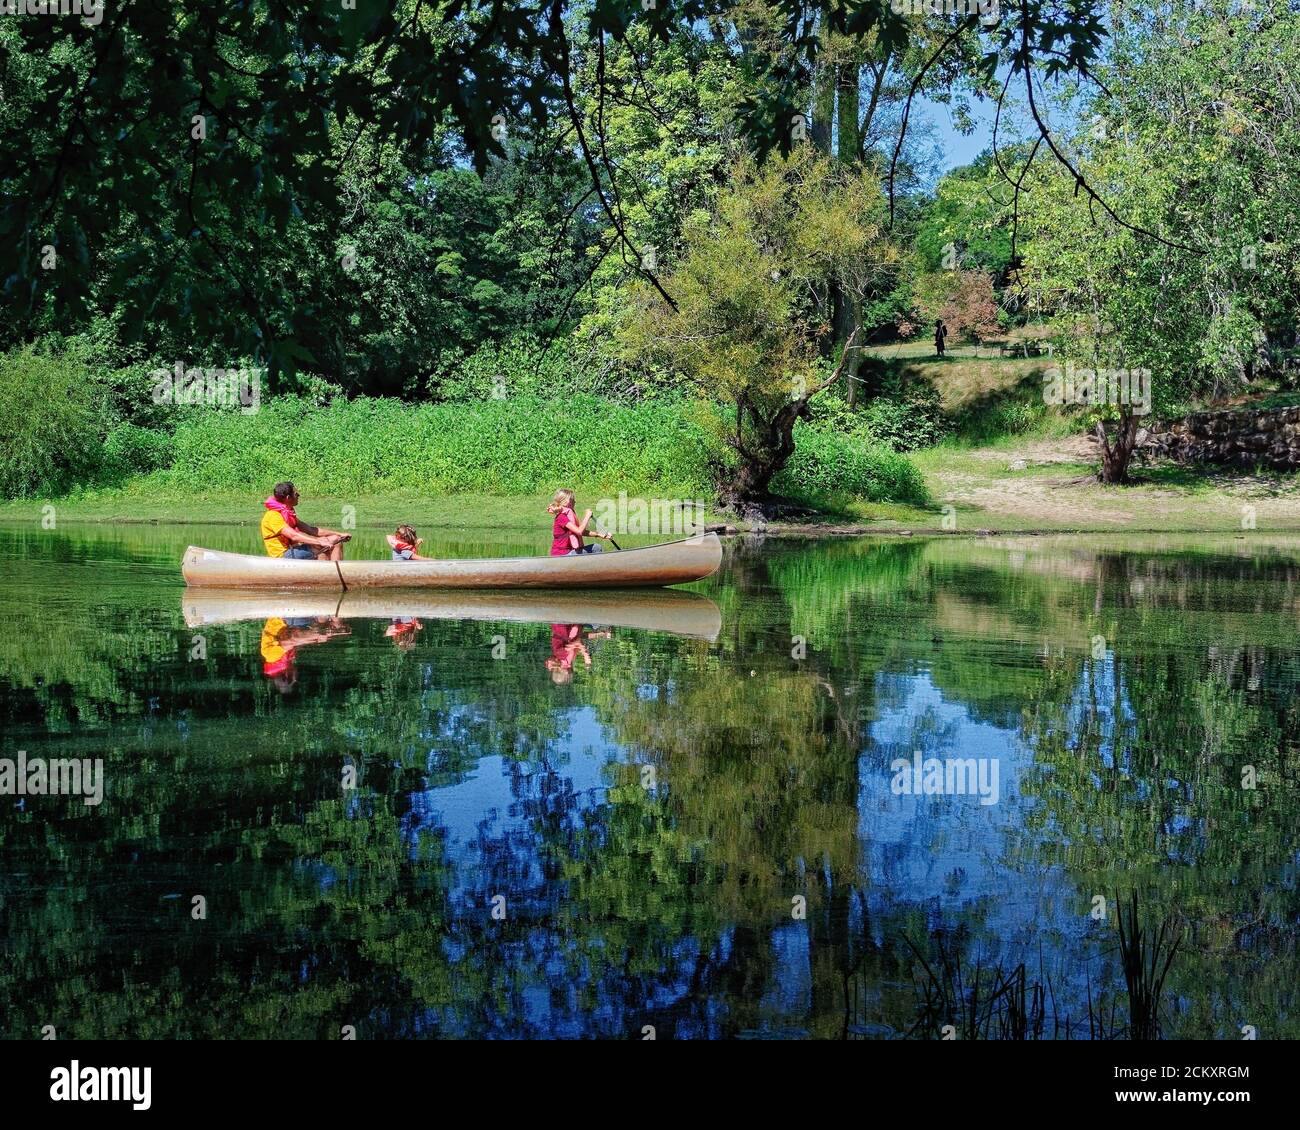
500, 783
496, 804
948, 854
491, 818
952, 853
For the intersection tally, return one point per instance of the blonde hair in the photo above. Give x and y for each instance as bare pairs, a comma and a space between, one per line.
563, 497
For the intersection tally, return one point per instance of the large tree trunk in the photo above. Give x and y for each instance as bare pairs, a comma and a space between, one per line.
848, 311
847, 84
848, 324
1117, 448
761, 459
769, 445
823, 109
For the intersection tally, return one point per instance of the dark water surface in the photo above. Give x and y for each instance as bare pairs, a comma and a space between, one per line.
649, 827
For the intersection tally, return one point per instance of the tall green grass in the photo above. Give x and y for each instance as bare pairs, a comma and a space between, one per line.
514, 446
491, 447
67, 427
828, 463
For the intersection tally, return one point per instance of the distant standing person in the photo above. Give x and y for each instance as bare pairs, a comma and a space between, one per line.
940, 336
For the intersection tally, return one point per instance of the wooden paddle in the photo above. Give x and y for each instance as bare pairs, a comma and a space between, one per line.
611, 537
339, 568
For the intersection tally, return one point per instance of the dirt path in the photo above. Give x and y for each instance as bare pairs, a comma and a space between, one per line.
1049, 484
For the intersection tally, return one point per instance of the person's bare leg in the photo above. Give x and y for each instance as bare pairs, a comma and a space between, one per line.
336, 552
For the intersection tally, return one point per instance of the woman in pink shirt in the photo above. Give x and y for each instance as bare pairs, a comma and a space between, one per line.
567, 532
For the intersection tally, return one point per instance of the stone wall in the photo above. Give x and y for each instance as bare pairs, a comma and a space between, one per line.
1241, 437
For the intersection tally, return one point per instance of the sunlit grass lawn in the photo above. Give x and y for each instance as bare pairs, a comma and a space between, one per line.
477, 512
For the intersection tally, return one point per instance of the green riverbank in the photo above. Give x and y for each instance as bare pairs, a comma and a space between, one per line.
1030, 485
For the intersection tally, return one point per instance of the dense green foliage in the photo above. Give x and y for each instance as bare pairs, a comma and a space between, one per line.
375, 193
1188, 273
47, 424
752, 301
442, 202
904, 415
659, 447
506, 432
831, 463
967, 224
494, 446
188, 158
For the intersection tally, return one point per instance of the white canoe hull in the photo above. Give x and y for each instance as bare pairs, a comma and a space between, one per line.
651, 610
653, 566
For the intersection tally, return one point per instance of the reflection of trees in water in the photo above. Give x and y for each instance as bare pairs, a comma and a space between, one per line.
962, 990
671, 905
1139, 761
1140, 755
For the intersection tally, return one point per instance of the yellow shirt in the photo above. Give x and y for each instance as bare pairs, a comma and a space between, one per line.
272, 523
272, 649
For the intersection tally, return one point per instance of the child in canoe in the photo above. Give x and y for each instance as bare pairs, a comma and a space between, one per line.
568, 642
567, 532
405, 543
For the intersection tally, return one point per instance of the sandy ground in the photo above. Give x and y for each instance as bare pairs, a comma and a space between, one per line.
1048, 484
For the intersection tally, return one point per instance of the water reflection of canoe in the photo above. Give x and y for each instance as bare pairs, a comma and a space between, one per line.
653, 566
681, 613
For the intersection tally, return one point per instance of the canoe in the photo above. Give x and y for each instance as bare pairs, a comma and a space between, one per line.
652, 566
650, 610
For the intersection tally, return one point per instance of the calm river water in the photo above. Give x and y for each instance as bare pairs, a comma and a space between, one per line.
422, 816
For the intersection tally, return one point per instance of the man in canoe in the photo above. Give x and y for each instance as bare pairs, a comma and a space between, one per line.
281, 640
284, 534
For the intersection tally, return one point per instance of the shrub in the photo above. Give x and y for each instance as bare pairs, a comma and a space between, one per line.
971, 311
907, 413
1007, 415
61, 426
50, 436
520, 366
963, 299
826, 462
133, 450
127, 397
907, 421
657, 447
492, 446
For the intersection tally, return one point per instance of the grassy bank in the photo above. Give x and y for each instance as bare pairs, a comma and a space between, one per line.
146, 503
1006, 463
986, 488
73, 432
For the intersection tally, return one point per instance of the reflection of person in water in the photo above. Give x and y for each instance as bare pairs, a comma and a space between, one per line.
568, 641
402, 631
281, 640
